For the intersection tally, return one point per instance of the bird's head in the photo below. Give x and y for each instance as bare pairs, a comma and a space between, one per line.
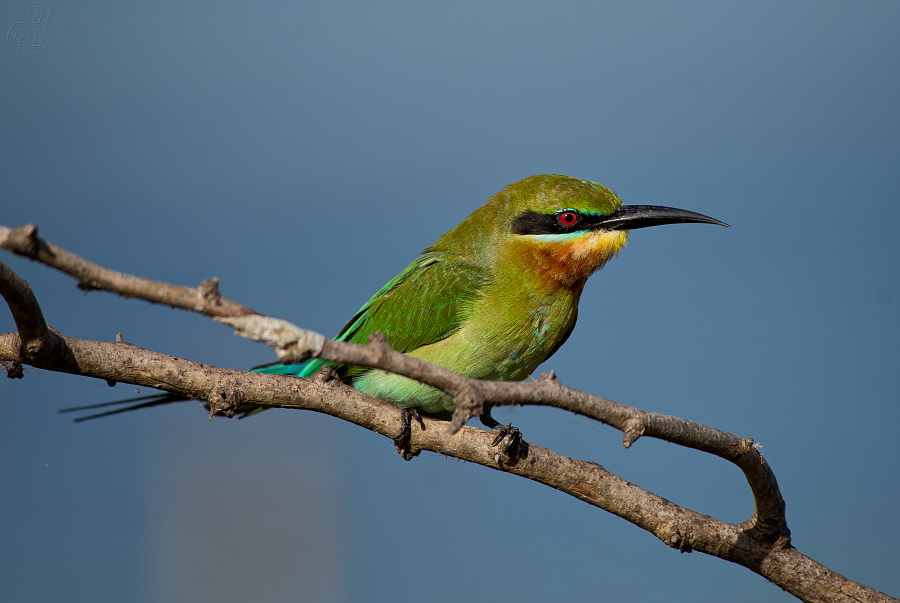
561, 228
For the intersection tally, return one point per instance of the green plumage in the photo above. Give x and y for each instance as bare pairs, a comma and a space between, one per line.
497, 295
470, 303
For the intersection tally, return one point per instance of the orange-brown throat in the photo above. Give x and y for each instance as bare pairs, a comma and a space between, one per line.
565, 261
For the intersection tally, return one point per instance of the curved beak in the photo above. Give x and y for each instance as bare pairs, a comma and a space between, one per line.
629, 217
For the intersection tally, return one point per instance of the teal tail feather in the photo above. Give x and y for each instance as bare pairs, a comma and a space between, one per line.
142, 402
303, 369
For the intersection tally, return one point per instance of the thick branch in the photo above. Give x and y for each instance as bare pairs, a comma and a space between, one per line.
34, 338
676, 526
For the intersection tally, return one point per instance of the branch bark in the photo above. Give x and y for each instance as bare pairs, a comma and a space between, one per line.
761, 543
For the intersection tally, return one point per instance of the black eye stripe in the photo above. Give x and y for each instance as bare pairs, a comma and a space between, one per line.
534, 223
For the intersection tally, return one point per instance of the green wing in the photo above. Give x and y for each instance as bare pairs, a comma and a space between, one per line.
425, 303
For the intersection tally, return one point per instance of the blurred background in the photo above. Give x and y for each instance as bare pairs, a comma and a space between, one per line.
305, 152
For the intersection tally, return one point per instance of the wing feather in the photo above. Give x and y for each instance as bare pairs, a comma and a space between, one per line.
425, 303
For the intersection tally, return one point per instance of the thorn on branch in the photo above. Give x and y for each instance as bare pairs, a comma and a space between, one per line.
208, 291
634, 429
550, 377
88, 286
119, 338
469, 403
225, 401
673, 537
325, 374
24, 240
745, 446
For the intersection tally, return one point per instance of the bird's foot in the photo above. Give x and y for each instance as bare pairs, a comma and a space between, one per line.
402, 441
507, 431
507, 437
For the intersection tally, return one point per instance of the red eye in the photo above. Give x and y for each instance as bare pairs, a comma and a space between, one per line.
567, 218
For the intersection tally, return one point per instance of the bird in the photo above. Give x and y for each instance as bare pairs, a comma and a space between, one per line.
497, 295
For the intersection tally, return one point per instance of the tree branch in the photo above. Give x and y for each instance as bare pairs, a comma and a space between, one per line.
205, 298
762, 543
294, 344
33, 340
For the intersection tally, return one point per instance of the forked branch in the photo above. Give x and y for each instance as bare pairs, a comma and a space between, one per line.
762, 543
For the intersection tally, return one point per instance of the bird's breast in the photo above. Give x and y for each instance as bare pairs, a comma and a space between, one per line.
507, 329
510, 328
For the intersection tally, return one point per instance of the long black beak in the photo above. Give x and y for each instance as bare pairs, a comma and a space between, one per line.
629, 217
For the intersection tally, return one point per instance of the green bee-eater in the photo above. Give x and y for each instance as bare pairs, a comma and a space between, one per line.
497, 295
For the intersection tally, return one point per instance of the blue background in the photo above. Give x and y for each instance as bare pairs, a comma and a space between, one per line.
306, 152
